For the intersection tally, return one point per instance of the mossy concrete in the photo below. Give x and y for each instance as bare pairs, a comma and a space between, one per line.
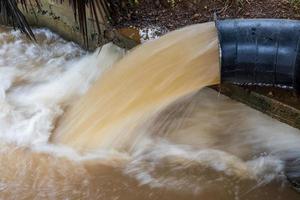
59, 17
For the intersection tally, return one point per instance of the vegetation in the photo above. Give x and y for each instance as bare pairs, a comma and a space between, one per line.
295, 3
11, 14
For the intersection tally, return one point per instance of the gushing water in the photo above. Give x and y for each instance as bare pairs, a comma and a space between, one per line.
143, 128
142, 83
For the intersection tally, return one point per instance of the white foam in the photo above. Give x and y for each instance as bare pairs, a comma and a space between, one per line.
36, 80
147, 162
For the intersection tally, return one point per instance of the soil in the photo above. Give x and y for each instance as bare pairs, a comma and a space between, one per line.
185, 12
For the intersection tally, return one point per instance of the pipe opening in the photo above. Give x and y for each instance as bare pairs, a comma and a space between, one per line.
260, 52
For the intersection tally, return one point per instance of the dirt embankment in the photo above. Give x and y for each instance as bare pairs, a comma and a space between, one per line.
186, 12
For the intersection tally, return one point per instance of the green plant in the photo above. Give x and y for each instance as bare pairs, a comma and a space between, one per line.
295, 2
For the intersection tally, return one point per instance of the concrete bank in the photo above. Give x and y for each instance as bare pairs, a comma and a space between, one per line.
59, 17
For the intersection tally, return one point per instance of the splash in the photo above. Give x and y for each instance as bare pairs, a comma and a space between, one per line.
38, 81
143, 129
141, 84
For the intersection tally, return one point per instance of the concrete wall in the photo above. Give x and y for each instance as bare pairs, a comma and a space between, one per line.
60, 18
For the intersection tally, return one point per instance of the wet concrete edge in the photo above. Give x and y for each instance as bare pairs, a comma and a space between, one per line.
272, 107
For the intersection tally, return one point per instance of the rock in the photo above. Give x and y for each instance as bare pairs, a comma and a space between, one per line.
195, 16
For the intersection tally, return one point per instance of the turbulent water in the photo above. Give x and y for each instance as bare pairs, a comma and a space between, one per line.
143, 128
141, 84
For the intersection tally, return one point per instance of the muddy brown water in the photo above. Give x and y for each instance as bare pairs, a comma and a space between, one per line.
94, 126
